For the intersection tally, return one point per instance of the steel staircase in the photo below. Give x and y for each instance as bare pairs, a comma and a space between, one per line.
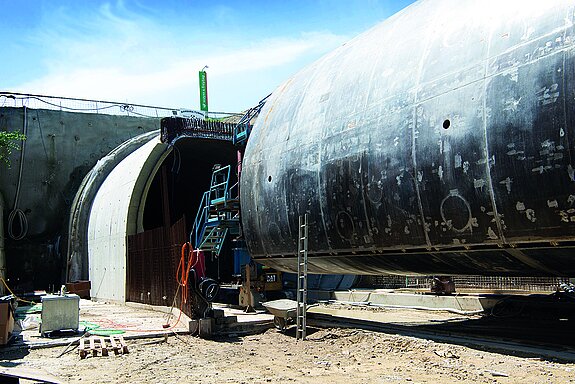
218, 213
243, 128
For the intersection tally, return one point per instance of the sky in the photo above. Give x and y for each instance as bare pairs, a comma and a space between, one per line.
149, 52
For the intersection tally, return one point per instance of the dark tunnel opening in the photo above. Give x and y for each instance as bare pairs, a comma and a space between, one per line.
187, 172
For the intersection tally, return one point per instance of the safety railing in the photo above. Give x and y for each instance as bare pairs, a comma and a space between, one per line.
70, 104
243, 128
201, 217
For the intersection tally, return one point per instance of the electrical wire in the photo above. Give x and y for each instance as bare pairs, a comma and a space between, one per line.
189, 259
17, 213
41, 135
13, 294
68, 108
111, 104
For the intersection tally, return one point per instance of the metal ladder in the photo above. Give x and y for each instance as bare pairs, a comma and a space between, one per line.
301, 295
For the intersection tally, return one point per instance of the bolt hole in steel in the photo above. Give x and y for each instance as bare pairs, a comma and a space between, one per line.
270, 179
446, 124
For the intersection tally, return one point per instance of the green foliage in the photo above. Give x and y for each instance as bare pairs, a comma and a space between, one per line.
8, 143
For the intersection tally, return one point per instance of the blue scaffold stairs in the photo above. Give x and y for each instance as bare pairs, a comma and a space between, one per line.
243, 128
218, 214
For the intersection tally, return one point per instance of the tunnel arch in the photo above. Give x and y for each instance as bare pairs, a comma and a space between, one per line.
154, 179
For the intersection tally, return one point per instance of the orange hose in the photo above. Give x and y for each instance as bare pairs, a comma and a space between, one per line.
182, 274
188, 260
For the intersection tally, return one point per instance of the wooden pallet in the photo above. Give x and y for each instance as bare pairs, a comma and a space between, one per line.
99, 344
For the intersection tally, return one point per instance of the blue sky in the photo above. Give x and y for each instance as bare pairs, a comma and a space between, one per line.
149, 52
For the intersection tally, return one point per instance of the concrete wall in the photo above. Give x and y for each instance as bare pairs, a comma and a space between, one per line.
113, 216
82, 204
60, 150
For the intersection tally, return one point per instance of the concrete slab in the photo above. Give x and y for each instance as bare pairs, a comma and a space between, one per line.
458, 303
238, 322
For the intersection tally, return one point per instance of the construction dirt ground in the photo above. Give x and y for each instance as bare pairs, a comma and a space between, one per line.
329, 355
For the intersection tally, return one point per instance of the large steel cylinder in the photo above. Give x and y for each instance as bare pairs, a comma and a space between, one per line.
438, 142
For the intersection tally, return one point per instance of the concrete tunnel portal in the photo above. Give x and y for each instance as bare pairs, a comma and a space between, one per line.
142, 213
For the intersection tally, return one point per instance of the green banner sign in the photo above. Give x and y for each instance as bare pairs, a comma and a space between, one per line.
203, 91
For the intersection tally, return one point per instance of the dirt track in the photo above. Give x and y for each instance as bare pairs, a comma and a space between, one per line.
328, 356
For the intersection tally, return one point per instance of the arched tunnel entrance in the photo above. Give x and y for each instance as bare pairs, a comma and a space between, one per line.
136, 211
166, 218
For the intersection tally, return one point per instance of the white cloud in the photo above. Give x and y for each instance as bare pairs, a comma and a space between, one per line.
122, 56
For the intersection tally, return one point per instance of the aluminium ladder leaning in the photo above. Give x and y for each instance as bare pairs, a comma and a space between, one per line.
301, 293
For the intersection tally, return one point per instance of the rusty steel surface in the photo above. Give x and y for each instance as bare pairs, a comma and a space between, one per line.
438, 142
153, 258
173, 128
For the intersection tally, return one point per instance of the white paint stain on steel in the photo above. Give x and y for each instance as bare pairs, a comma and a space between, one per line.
511, 104
491, 234
478, 183
514, 152
528, 32
513, 73
567, 216
530, 213
548, 95
465, 166
474, 223
548, 145
520, 206
540, 169
440, 172
458, 161
507, 182
446, 147
571, 172
552, 204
